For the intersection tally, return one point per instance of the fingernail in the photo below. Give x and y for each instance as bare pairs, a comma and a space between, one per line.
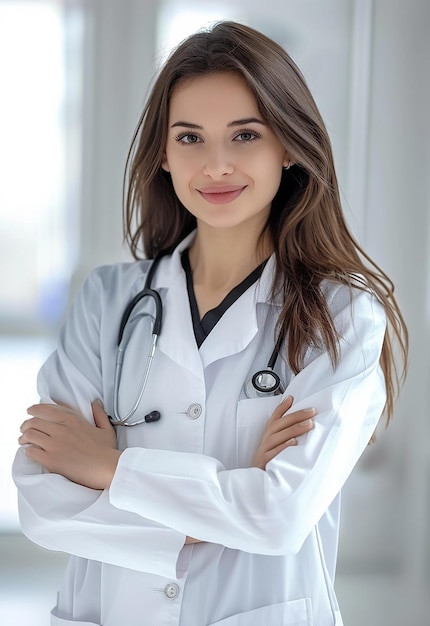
288, 399
306, 422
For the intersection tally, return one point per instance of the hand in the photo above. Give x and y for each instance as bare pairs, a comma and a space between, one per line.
281, 431
64, 442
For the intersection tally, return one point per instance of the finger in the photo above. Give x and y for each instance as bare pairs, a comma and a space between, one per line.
38, 455
282, 408
283, 446
38, 423
50, 412
101, 418
291, 419
290, 432
34, 438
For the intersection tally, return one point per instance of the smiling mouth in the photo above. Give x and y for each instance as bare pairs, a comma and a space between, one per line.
221, 195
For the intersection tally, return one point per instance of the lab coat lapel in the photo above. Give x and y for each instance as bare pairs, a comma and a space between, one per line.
239, 325
233, 333
177, 339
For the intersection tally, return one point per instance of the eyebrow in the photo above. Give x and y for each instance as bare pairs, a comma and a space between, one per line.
243, 122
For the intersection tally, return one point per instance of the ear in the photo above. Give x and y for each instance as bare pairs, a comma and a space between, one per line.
165, 163
287, 162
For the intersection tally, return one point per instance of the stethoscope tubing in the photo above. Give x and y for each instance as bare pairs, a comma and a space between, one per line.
253, 387
125, 421
147, 292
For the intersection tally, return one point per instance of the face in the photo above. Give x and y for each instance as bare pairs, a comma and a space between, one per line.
225, 162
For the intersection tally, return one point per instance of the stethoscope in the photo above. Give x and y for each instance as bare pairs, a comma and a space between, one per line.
263, 383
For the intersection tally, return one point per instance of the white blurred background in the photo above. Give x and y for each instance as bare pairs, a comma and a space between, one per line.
73, 79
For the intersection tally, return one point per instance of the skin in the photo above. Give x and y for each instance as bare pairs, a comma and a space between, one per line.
64, 442
216, 138
209, 150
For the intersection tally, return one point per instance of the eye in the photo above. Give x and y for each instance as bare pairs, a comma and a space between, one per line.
187, 138
247, 136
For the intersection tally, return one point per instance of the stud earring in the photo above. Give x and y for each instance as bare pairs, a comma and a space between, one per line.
287, 167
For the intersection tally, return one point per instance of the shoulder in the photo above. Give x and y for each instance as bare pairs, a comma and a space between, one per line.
115, 280
118, 273
358, 317
104, 288
353, 305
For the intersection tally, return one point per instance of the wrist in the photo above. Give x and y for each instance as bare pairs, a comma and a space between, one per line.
111, 465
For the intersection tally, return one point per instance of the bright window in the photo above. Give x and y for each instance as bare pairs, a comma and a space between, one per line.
40, 146
179, 20
38, 227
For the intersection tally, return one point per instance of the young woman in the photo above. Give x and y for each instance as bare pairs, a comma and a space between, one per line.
273, 365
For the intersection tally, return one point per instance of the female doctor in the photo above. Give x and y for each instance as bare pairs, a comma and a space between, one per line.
212, 500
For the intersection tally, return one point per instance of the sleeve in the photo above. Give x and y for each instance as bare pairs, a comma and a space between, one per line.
273, 511
61, 515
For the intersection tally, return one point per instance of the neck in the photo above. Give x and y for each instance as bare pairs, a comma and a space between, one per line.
221, 258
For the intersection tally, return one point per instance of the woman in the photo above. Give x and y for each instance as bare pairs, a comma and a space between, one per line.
225, 509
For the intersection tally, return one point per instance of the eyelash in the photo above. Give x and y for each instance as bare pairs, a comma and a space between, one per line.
183, 135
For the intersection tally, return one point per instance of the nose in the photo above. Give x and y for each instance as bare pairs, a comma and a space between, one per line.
218, 162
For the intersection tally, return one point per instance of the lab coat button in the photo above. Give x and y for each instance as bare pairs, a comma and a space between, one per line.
171, 591
194, 411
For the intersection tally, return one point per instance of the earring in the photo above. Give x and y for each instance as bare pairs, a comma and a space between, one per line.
287, 167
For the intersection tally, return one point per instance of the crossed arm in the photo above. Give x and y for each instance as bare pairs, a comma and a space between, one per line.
249, 509
65, 443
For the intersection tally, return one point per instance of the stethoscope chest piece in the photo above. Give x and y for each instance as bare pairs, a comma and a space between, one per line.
263, 383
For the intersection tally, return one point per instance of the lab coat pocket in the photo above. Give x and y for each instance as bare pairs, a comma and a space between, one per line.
293, 613
252, 415
59, 621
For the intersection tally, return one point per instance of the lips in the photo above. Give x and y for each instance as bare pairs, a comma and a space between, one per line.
222, 194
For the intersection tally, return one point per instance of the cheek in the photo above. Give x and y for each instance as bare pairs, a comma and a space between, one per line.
264, 163
183, 171
182, 186
269, 172
178, 186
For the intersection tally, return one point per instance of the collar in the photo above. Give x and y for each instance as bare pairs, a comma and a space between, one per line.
171, 267
236, 329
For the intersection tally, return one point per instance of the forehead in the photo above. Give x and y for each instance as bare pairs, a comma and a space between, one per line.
213, 96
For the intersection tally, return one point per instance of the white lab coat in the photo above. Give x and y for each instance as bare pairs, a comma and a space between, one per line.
270, 536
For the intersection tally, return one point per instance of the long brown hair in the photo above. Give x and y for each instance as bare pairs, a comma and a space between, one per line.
308, 230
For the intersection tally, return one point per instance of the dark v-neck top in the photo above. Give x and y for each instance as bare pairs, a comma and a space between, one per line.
202, 327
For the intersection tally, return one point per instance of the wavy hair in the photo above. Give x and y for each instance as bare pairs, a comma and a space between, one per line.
311, 240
